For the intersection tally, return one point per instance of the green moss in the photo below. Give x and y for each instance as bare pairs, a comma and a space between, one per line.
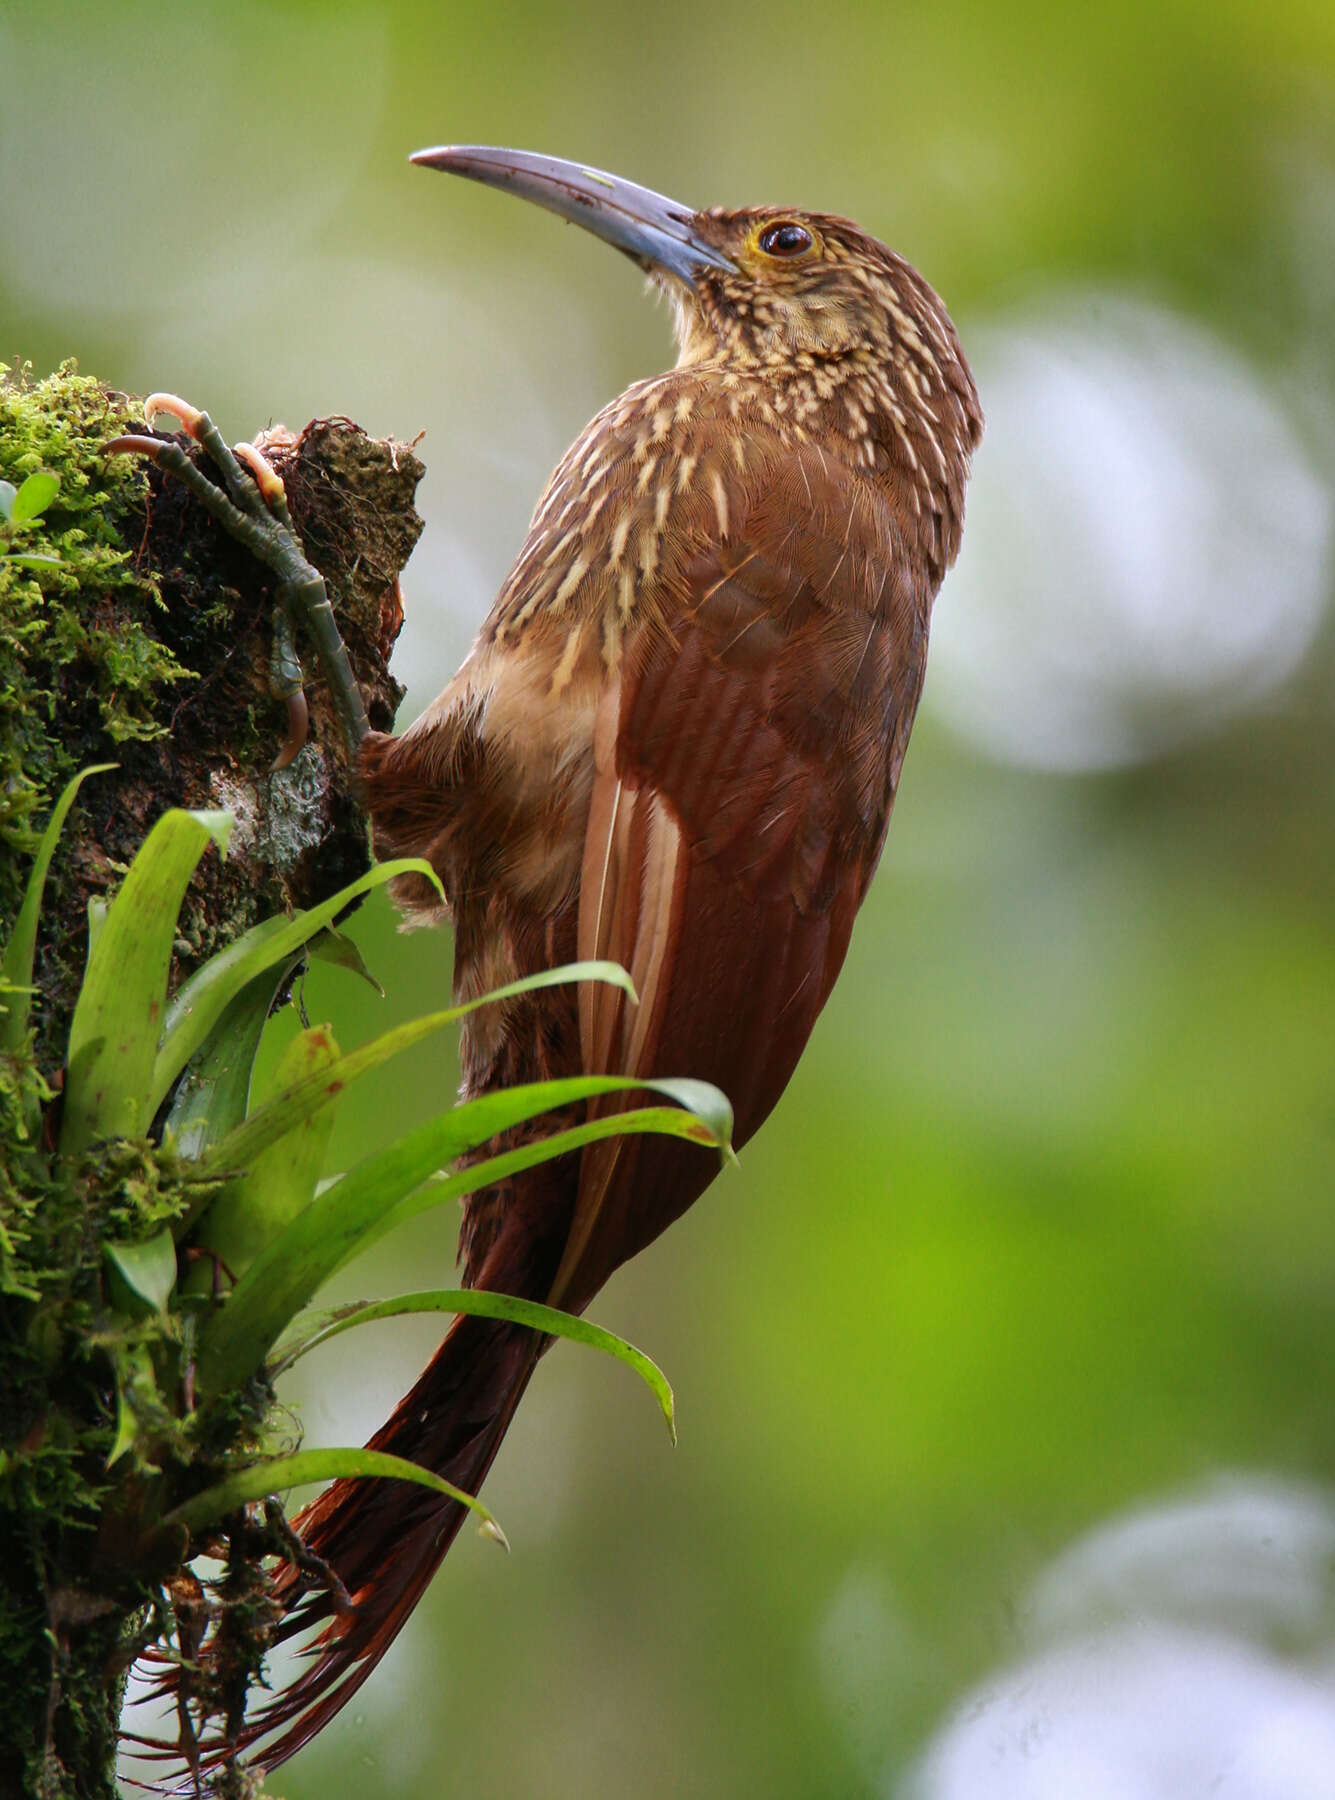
75, 637
102, 1431
95, 1438
23, 1094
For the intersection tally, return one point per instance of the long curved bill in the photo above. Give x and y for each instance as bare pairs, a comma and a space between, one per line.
655, 232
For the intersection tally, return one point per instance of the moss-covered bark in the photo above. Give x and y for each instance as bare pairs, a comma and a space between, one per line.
147, 644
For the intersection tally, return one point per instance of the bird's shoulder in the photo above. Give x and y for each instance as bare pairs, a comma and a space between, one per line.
736, 597
690, 461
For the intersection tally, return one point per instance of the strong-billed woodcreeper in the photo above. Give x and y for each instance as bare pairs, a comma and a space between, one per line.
675, 744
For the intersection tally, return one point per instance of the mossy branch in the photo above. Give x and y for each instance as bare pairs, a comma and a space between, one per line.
133, 632
146, 642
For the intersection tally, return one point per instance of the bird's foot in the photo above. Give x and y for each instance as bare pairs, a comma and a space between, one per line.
317, 1571
251, 505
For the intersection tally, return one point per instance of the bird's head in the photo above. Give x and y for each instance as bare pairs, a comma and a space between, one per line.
800, 298
799, 285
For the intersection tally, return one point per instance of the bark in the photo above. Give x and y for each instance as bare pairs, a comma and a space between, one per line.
148, 645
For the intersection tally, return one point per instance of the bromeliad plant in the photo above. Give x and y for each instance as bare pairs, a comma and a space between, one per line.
161, 1239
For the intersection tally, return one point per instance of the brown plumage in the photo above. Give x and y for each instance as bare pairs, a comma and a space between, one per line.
675, 743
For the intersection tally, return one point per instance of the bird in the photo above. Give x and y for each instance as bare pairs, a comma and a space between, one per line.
674, 744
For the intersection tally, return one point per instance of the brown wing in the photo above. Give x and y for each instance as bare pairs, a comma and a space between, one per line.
745, 759
689, 770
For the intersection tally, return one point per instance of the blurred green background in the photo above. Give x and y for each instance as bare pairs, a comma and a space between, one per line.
1005, 1364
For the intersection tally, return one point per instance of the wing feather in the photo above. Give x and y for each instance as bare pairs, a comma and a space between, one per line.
745, 756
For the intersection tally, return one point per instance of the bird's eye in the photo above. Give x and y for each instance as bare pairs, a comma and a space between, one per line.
785, 239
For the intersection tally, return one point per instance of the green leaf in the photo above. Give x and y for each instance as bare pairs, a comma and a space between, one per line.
382, 1191
281, 1181
122, 1004
332, 947
8, 495
134, 1381
30, 559
262, 1479
666, 1121
213, 1094
202, 1000
148, 1269
36, 494
16, 965
481, 1304
98, 908
271, 1121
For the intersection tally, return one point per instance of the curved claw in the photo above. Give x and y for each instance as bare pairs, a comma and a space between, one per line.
298, 725
131, 445
251, 505
188, 417
267, 478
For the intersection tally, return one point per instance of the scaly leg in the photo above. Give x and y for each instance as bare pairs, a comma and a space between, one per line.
252, 507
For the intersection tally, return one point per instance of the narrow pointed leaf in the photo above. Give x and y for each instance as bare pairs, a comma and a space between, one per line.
278, 1116
478, 1303
16, 965
345, 953
122, 1004
134, 1375
202, 1000
664, 1121
383, 1191
213, 1094
280, 1183
307, 1466
98, 908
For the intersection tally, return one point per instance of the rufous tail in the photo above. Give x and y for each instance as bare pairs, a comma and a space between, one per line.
385, 1539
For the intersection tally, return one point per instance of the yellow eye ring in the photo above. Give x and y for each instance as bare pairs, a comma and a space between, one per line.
785, 240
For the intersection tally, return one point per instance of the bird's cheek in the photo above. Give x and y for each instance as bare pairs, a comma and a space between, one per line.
821, 330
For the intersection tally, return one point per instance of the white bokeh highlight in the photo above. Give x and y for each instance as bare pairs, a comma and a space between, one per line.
1183, 1650
1148, 541
1154, 1713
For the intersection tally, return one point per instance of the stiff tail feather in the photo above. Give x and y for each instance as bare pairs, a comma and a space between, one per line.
385, 1539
